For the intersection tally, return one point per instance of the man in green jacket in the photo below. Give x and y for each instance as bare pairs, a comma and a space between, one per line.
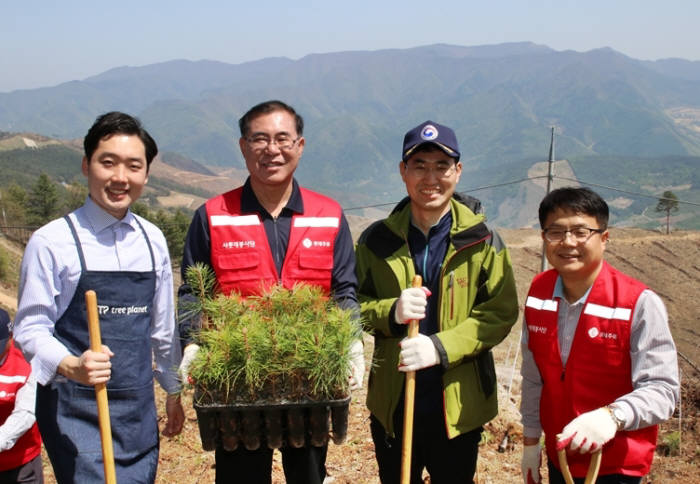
468, 305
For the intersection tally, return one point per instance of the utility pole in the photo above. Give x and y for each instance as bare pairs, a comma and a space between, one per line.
4, 219
543, 264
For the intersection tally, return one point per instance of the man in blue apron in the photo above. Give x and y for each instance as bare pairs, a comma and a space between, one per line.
102, 246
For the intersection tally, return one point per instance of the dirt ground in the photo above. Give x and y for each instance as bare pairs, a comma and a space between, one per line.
668, 264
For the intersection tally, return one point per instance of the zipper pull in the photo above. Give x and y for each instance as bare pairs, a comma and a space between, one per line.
450, 288
563, 373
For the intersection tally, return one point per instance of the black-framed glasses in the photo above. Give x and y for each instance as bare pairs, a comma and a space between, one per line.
261, 142
579, 234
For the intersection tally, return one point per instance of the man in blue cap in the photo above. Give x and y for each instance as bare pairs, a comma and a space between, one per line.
20, 442
467, 305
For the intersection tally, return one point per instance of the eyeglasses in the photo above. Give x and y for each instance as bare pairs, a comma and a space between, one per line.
441, 170
261, 142
579, 234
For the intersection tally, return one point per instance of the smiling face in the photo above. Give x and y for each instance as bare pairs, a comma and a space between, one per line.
269, 166
431, 178
577, 262
116, 173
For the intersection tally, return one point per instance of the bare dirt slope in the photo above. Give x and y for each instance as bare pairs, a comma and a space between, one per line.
668, 264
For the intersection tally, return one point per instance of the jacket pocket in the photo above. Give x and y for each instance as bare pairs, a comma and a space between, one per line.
316, 261
240, 266
487, 372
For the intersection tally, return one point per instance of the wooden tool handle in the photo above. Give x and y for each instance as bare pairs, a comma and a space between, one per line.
593, 467
409, 397
101, 391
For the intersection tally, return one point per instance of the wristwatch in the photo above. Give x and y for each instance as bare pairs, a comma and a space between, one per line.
617, 415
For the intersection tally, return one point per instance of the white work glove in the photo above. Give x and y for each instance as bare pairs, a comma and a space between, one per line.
588, 432
530, 464
411, 304
417, 353
357, 365
187, 358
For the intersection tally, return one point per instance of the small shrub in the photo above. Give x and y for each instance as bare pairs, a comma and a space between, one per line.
4, 265
670, 444
486, 437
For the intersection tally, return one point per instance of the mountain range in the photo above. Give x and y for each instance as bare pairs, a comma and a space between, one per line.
621, 123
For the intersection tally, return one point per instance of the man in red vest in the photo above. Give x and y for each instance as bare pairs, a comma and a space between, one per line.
20, 442
272, 231
599, 363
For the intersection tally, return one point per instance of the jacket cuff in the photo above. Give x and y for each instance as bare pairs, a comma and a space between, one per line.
395, 328
444, 362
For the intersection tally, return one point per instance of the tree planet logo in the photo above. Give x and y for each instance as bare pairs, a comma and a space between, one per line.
429, 132
306, 242
593, 332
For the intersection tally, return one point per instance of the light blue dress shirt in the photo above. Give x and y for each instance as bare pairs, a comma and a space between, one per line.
49, 276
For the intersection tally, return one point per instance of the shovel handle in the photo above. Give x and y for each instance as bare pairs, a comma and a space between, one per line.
409, 397
101, 391
593, 467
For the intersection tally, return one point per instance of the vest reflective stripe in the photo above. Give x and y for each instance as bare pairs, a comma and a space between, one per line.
240, 221
316, 222
598, 369
541, 304
15, 372
607, 312
241, 255
13, 379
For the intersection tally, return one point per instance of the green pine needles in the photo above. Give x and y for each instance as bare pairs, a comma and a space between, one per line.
283, 346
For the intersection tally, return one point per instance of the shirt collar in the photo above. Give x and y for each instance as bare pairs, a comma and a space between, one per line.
250, 204
442, 227
100, 220
559, 293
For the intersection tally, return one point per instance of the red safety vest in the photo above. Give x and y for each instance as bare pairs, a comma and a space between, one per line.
241, 255
13, 375
597, 371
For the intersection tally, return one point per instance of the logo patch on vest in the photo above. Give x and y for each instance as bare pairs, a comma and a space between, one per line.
238, 244
537, 329
596, 333
308, 243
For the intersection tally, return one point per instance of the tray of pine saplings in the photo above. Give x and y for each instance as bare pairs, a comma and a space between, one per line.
272, 370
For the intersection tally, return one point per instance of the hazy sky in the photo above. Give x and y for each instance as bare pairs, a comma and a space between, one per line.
44, 43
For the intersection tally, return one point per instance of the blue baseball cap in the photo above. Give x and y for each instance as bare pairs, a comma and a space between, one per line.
431, 132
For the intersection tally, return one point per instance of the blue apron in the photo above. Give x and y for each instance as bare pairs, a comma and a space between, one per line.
67, 411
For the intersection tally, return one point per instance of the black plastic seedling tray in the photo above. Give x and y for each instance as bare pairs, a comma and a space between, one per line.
274, 425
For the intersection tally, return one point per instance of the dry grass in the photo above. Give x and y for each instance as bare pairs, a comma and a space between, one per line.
668, 264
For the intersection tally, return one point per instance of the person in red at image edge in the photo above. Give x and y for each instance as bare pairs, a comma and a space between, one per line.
599, 363
271, 231
20, 442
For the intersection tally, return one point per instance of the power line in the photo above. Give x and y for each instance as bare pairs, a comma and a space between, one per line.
513, 182
645, 195
469, 190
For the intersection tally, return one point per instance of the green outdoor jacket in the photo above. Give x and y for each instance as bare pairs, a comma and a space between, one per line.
477, 307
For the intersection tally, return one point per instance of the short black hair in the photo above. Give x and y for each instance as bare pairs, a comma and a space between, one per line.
115, 122
575, 199
266, 108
